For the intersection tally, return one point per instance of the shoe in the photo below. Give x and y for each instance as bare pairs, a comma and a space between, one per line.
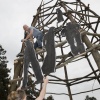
19, 54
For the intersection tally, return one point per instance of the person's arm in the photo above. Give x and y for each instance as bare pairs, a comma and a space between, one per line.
28, 36
43, 91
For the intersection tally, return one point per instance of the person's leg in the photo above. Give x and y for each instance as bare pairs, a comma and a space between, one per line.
39, 40
35, 45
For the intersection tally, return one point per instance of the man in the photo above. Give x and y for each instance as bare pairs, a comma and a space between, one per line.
33, 32
21, 95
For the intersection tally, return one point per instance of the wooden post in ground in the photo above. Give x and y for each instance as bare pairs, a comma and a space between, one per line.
18, 67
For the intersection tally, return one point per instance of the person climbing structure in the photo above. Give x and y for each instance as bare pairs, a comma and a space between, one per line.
30, 33
33, 32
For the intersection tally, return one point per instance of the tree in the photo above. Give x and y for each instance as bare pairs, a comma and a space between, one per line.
50, 98
4, 75
90, 98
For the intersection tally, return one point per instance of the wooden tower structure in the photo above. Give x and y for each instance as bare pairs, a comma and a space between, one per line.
75, 12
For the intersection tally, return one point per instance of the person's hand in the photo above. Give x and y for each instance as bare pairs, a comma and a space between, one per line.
19, 88
23, 40
45, 80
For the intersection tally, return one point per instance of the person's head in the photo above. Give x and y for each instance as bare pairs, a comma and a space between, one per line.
25, 27
17, 95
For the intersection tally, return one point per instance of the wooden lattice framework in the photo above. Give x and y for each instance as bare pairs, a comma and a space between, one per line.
75, 12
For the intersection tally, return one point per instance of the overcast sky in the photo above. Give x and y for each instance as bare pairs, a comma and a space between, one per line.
13, 15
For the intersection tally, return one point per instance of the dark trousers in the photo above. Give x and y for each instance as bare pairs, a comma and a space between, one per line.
49, 61
38, 42
73, 37
30, 57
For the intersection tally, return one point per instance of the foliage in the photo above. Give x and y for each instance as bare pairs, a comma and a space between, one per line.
90, 98
4, 76
50, 98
